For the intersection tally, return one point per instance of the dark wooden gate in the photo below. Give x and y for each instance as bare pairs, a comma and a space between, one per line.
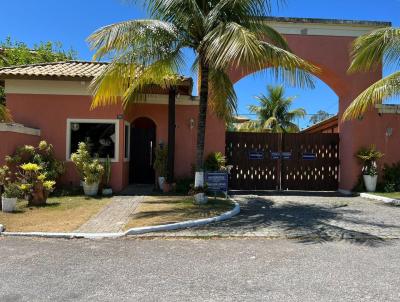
265, 161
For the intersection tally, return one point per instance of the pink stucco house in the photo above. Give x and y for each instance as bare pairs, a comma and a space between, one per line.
52, 102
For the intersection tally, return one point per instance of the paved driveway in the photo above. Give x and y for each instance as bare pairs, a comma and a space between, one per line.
307, 216
197, 270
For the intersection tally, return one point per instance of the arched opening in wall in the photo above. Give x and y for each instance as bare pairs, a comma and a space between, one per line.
142, 147
321, 104
273, 156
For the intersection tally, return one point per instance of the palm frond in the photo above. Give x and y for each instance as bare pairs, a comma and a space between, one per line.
148, 39
128, 81
223, 98
381, 46
375, 94
231, 45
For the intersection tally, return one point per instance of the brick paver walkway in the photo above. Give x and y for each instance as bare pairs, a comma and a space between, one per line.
113, 217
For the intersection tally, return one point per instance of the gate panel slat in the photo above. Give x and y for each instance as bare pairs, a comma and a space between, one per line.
251, 174
319, 174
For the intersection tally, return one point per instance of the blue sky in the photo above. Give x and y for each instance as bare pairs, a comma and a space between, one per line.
70, 22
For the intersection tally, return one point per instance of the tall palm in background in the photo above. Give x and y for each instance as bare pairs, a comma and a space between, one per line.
223, 34
369, 52
274, 114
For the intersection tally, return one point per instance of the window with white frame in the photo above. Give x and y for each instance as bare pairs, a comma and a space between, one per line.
101, 136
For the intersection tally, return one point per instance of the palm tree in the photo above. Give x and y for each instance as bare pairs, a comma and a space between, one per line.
274, 114
223, 34
381, 46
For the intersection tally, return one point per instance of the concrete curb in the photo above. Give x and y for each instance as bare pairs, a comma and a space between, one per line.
185, 224
380, 198
130, 232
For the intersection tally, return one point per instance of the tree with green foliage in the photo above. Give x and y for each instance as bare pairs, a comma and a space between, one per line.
14, 53
320, 116
370, 52
223, 34
273, 113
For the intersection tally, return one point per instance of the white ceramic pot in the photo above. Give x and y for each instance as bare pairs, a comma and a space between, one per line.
107, 192
200, 198
8, 204
91, 190
161, 181
370, 182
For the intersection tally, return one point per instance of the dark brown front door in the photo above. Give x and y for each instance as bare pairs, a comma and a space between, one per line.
143, 143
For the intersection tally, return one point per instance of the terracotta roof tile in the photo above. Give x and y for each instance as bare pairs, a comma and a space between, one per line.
62, 70
68, 70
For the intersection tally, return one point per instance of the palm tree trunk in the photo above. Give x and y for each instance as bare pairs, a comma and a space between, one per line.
171, 134
203, 104
201, 124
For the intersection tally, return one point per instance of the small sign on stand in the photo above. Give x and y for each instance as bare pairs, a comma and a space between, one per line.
217, 182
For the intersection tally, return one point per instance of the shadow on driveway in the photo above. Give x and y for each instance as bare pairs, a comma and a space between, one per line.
306, 222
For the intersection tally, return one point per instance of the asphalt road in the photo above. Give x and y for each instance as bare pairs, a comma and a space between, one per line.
197, 270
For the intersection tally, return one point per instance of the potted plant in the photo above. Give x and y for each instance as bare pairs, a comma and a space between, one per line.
93, 172
215, 161
160, 165
107, 190
199, 194
80, 158
90, 170
369, 157
35, 184
9, 197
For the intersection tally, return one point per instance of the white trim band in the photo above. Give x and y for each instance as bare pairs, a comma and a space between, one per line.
18, 128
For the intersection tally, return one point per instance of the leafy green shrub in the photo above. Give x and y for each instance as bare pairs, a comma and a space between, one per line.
391, 177
12, 190
80, 158
215, 161
107, 172
89, 169
183, 185
42, 155
369, 156
93, 172
161, 161
34, 183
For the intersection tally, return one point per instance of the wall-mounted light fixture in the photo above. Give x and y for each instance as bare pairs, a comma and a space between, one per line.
191, 123
389, 132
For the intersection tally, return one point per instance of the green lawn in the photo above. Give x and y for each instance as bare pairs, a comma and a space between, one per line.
394, 195
156, 210
61, 214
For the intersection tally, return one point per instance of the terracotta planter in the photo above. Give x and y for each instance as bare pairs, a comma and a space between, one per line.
38, 197
91, 190
8, 204
166, 187
370, 182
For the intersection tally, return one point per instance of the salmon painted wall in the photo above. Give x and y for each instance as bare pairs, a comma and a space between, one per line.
49, 113
331, 54
185, 143
10, 141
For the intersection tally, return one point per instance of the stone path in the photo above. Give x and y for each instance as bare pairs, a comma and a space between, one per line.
113, 217
312, 217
